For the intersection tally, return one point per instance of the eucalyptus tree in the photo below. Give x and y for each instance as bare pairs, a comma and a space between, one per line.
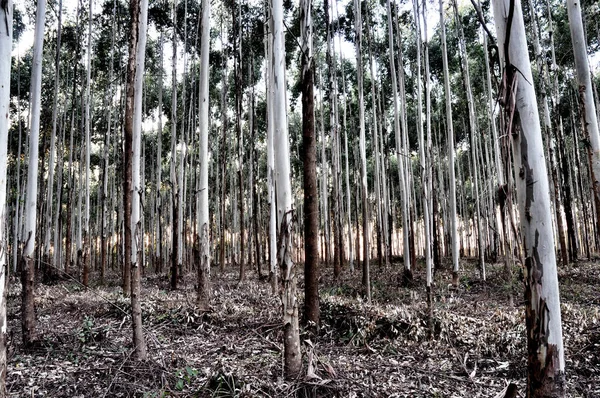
87, 240
271, 155
587, 106
28, 322
398, 141
451, 152
546, 363
203, 225
132, 188
175, 188
366, 278
51, 162
546, 128
6, 37
292, 362
473, 134
105, 154
423, 159
311, 201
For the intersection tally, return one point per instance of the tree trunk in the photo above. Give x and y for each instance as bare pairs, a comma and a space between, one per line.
131, 164
28, 321
6, 14
309, 145
587, 106
450, 143
546, 365
292, 364
271, 159
366, 278
203, 225
173, 173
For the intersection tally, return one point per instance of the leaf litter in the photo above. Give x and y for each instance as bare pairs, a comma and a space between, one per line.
477, 347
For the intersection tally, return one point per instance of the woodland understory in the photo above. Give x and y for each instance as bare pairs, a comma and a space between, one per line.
234, 349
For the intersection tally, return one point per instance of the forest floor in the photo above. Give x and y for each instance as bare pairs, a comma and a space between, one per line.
379, 350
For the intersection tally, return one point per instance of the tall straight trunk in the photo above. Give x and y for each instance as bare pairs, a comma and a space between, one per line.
311, 200
28, 322
546, 128
410, 255
376, 127
131, 164
422, 156
366, 278
158, 183
271, 160
546, 364
426, 160
240, 138
6, 14
333, 127
349, 241
173, 166
587, 106
223, 165
105, 162
50, 186
202, 228
472, 138
58, 215
292, 363
86, 242
450, 143
399, 151
324, 183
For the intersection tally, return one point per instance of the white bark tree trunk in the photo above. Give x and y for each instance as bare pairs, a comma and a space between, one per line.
291, 335
587, 105
271, 164
366, 279
546, 364
141, 21
6, 14
28, 264
450, 143
203, 225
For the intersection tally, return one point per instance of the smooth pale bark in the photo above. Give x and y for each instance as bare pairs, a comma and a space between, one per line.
86, 239
546, 364
473, 134
6, 14
376, 126
203, 235
105, 161
428, 161
271, 165
311, 200
223, 185
324, 180
587, 106
131, 161
450, 142
422, 156
158, 183
546, 128
27, 263
399, 152
366, 278
172, 174
334, 134
349, 241
292, 364
51, 161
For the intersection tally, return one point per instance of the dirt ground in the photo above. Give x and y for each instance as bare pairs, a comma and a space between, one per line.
379, 350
